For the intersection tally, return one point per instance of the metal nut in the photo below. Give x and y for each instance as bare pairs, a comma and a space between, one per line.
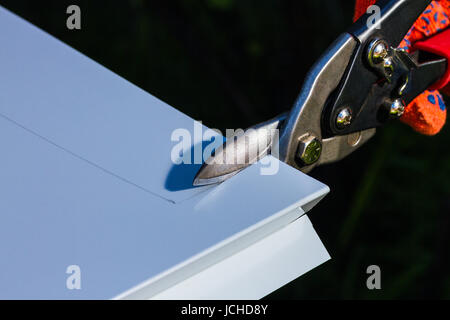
344, 118
397, 108
378, 51
309, 150
388, 66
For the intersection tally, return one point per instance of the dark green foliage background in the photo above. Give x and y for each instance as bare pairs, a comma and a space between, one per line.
234, 63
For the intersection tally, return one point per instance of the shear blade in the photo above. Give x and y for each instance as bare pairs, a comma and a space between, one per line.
239, 152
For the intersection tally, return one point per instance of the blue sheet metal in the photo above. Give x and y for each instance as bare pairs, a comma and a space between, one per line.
86, 179
72, 101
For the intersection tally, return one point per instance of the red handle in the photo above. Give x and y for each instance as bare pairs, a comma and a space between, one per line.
438, 44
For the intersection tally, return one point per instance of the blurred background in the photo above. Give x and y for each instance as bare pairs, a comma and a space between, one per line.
234, 63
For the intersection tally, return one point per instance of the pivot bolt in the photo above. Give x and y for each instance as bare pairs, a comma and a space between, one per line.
309, 150
344, 118
378, 51
397, 108
380, 57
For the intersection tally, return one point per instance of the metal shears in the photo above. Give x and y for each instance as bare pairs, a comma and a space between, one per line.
361, 82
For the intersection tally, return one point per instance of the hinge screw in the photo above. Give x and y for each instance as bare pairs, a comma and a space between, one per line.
344, 118
397, 108
378, 51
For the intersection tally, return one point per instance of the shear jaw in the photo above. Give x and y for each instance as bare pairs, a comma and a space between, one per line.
304, 124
